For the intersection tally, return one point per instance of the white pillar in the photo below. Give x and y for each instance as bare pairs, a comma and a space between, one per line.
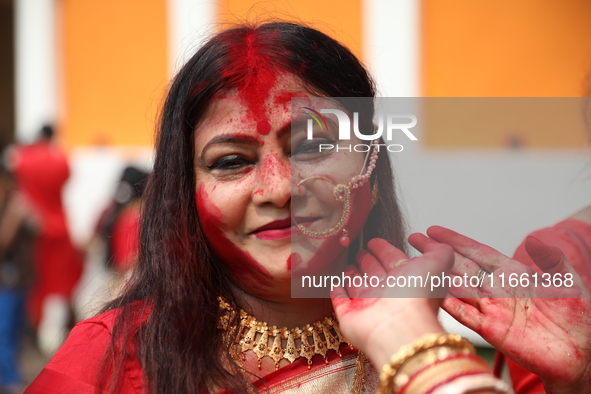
189, 23
391, 43
35, 66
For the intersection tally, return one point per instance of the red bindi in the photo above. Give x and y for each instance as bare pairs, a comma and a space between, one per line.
263, 127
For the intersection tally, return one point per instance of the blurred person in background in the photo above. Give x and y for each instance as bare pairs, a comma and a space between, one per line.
17, 232
112, 252
119, 224
41, 171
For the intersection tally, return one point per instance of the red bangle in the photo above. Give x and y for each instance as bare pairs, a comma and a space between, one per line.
477, 366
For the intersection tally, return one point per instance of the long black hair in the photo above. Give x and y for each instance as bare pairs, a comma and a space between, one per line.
169, 309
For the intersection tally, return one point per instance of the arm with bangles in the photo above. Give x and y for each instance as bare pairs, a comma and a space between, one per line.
544, 329
405, 340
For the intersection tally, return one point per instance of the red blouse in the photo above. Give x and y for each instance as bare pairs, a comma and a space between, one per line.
75, 367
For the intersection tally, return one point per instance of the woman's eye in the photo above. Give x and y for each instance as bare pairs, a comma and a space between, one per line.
313, 147
229, 163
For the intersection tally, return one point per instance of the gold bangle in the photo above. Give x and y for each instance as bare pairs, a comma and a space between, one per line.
406, 352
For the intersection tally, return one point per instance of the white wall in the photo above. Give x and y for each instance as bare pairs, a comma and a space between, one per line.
189, 22
495, 196
391, 45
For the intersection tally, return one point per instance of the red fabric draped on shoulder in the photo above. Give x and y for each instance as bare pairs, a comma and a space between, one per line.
76, 365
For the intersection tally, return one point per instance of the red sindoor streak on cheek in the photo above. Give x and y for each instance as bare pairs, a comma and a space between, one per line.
294, 258
240, 264
255, 75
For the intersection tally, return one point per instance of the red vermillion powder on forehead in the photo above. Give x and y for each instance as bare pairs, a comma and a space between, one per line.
255, 75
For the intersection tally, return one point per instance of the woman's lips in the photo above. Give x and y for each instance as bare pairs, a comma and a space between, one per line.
281, 229
276, 230
274, 234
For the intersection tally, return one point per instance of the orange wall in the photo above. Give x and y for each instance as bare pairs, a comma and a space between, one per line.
340, 19
114, 70
526, 48
115, 58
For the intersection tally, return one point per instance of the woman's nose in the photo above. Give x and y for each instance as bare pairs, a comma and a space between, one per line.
273, 184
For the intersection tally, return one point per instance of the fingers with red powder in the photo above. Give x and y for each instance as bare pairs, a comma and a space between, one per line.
485, 256
369, 264
550, 259
386, 253
436, 258
420, 241
464, 312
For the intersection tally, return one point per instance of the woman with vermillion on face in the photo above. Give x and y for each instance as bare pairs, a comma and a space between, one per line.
234, 187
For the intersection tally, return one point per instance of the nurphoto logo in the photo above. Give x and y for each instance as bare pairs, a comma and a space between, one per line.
393, 124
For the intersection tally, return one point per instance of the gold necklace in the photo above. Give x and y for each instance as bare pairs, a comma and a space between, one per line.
315, 338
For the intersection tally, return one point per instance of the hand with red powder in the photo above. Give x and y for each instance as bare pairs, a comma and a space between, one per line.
381, 324
543, 326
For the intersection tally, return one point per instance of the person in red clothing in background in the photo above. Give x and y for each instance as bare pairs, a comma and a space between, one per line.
42, 170
118, 227
113, 250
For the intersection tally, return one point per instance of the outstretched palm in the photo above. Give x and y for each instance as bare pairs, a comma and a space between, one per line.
545, 326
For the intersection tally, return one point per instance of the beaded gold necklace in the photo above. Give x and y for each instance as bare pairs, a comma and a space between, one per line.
315, 338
